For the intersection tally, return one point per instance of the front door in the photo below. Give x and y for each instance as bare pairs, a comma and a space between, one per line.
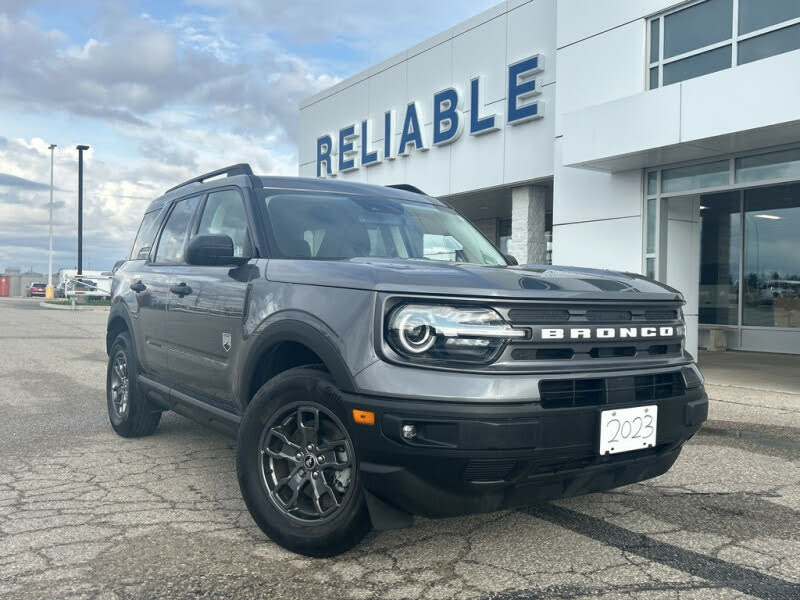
207, 306
155, 296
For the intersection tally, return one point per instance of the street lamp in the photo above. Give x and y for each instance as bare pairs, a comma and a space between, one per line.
80, 150
49, 291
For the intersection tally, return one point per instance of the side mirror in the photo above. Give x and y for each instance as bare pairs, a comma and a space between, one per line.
511, 260
212, 250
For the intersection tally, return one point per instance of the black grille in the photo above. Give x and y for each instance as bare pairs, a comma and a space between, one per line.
488, 470
612, 351
530, 315
567, 393
608, 315
661, 315
542, 353
656, 387
607, 351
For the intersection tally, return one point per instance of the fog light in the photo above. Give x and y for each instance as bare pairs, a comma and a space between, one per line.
409, 432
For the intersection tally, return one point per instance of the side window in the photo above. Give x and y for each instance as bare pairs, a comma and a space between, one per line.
144, 238
224, 215
170, 246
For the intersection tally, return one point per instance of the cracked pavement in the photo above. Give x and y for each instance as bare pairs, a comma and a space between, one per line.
87, 514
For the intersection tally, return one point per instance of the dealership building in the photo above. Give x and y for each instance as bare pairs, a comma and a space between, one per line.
650, 136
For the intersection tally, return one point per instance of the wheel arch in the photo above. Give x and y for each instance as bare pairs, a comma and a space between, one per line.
292, 332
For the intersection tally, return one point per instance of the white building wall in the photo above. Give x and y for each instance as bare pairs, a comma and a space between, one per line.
482, 46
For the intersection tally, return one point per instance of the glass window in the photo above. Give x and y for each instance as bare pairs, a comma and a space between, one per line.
771, 295
697, 65
173, 236
356, 226
145, 235
224, 215
698, 26
757, 14
650, 268
504, 234
773, 165
651, 226
653, 78
720, 244
695, 177
652, 183
769, 44
655, 42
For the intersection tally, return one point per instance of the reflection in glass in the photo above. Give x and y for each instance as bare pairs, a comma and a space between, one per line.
651, 226
757, 14
720, 245
700, 25
654, 40
769, 44
773, 165
697, 65
771, 295
694, 177
652, 183
653, 78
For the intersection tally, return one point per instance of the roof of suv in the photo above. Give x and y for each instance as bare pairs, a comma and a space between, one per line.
310, 184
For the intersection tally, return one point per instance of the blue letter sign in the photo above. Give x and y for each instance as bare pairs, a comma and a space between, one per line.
522, 87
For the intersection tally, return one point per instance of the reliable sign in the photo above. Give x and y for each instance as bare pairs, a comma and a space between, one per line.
352, 148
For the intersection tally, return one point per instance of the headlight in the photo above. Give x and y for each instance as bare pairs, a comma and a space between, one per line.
448, 333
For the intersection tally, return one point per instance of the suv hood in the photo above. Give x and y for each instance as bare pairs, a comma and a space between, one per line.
409, 276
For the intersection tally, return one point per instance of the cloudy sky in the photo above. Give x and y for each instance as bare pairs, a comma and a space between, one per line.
162, 91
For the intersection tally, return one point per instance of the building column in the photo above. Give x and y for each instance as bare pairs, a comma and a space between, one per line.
528, 204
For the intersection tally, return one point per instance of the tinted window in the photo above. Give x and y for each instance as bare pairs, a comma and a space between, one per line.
697, 65
338, 226
757, 14
698, 26
769, 44
224, 215
170, 246
144, 238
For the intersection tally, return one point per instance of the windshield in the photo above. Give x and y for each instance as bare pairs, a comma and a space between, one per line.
325, 226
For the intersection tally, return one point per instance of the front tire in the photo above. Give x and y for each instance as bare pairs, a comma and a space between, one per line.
129, 410
297, 465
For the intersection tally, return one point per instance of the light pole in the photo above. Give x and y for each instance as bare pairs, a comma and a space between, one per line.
49, 291
80, 149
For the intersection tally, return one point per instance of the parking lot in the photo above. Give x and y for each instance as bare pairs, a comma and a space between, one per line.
87, 514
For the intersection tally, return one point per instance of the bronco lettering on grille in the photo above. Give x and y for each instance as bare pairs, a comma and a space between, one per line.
608, 333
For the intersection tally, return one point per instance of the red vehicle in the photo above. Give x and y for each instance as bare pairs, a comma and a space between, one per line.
37, 289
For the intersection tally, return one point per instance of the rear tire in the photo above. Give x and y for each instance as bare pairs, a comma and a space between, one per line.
297, 465
130, 412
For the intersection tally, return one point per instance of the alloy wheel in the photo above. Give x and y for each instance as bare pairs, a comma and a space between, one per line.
307, 463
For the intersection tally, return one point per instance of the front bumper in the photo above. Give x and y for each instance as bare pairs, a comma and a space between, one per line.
470, 457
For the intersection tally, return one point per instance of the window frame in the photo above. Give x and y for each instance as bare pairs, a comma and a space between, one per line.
733, 41
250, 246
168, 210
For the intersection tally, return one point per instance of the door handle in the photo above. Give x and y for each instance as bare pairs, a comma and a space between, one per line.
138, 286
181, 289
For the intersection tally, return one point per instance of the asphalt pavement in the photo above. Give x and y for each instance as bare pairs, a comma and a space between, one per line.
87, 514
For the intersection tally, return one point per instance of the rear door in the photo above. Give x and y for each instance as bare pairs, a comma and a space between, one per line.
153, 283
205, 320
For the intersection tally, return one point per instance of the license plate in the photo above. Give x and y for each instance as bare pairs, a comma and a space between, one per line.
627, 429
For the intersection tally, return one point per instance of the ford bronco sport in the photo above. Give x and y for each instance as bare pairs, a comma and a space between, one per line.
379, 358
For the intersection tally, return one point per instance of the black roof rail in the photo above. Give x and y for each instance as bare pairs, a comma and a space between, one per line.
407, 187
238, 169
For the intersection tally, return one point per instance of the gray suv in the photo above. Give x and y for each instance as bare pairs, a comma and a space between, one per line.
378, 358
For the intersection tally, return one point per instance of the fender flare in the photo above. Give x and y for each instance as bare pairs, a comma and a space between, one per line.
292, 330
119, 310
